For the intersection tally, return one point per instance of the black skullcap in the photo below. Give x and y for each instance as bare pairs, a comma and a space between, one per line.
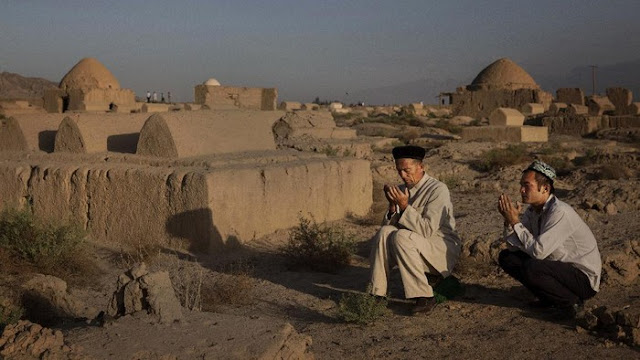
408, 152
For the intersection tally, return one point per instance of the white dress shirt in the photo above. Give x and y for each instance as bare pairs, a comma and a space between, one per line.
558, 233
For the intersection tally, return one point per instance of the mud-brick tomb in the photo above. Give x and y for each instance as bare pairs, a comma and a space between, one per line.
213, 178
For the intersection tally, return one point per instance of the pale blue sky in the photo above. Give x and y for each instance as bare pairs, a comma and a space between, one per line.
311, 48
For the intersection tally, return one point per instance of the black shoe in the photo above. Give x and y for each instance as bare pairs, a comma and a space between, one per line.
570, 312
423, 305
540, 304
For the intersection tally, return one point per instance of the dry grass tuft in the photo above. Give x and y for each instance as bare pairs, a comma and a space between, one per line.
232, 286
614, 172
318, 247
141, 252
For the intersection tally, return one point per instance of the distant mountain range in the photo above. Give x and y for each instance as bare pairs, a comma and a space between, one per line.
15, 86
625, 75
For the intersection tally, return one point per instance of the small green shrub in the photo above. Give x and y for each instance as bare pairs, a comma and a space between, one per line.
448, 289
452, 181
45, 245
361, 308
446, 125
330, 151
318, 247
589, 158
496, 159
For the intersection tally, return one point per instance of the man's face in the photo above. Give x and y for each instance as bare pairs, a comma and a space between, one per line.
410, 170
530, 191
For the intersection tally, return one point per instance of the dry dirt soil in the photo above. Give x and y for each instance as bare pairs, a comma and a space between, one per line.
491, 320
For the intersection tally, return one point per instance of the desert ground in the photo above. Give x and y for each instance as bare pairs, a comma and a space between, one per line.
491, 320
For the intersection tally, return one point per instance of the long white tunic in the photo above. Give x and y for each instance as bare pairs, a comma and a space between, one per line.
429, 217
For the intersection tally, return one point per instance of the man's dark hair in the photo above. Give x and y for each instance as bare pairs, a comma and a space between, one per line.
543, 180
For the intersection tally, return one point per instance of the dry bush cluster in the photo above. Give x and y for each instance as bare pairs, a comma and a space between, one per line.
29, 244
614, 171
141, 252
199, 290
318, 247
496, 159
404, 119
43, 246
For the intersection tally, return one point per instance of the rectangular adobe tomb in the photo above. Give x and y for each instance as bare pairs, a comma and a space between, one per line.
208, 202
513, 134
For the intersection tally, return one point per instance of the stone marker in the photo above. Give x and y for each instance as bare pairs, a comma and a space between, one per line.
557, 108
142, 291
599, 105
506, 117
634, 108
574, 109
153, 107
192, 107
46, 299
506, 133
621, 98
335, 106
290, 105
570, 96
532, 109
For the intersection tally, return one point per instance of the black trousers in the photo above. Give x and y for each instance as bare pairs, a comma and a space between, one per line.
554, 282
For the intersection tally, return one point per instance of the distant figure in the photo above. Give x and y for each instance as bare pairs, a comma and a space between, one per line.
148, 96
418, 233
162, 97
169, 96
553, 253
155, 96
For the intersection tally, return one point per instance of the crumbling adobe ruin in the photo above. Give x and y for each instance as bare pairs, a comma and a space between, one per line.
219, 97
211, 178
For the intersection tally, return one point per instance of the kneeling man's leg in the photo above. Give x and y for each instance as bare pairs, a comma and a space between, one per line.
381, 259
412, 266
513, 263
557, 282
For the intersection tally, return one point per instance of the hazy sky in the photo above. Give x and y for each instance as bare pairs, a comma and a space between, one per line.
311, 48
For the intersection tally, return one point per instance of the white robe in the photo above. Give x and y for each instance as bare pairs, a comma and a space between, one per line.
420, 239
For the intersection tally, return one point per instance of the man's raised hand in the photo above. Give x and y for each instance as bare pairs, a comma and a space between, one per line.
510, 213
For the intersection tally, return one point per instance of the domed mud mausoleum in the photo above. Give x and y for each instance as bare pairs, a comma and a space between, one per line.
88, 86
502, 84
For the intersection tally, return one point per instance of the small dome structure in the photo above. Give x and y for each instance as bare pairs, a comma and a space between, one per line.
212, 82
503, 74
87, 74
